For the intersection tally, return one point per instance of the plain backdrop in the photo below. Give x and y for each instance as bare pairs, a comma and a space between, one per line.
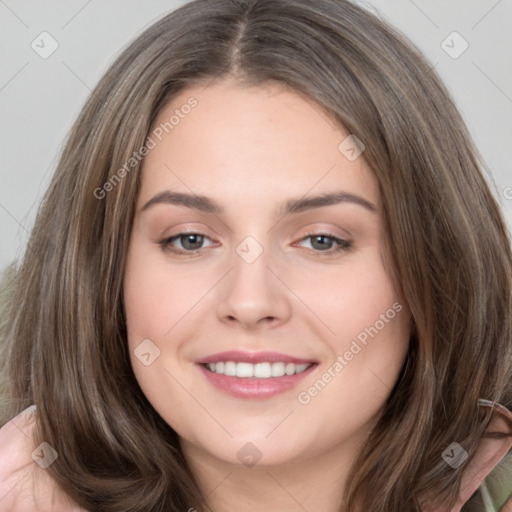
40, 97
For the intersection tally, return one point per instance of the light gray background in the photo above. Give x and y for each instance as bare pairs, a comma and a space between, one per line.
39, 98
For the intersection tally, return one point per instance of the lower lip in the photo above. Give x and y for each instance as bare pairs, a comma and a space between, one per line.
251, 388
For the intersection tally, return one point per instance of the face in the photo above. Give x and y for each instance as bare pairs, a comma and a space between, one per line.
262, 321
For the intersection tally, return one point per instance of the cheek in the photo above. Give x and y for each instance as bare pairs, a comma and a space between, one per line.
150, 307
353, 386
142, 308
349, 299
159, 308
156, 298
367, 344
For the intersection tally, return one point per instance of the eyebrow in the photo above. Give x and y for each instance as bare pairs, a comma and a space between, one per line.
208, 205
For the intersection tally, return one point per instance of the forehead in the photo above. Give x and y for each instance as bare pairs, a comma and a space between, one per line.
250, 140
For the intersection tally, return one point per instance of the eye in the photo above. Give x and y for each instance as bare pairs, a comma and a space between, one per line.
190, 242
324, 242
193, 242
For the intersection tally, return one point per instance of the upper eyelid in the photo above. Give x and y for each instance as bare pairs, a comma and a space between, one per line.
309, 234
309, 231
317, 232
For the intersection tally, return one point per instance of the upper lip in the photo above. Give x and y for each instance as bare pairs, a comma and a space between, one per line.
240, 356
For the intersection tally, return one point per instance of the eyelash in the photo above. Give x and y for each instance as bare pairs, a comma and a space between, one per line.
343, 245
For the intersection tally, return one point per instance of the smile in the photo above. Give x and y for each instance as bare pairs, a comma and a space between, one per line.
254, 375
265, 370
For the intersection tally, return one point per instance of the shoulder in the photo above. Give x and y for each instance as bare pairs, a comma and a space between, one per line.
24, 482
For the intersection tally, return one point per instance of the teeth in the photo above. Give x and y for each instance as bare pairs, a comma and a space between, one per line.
277, 369
262, 370
258, 370
229, 369
244, 370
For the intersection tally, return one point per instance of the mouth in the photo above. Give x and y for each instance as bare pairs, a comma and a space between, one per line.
255, 376
265, 370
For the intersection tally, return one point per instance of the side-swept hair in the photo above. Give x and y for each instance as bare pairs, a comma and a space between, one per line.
66, 344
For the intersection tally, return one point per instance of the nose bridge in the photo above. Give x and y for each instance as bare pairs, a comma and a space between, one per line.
252, 292
250, 273
250, 249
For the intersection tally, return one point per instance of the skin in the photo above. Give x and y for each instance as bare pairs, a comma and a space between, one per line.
290, 299
250, 150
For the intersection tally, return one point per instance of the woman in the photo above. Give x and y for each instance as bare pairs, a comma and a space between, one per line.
268, 273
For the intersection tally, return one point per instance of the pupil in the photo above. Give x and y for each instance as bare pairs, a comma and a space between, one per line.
321, 237
190, 238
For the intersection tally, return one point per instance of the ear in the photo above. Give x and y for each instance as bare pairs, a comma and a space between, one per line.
489, 453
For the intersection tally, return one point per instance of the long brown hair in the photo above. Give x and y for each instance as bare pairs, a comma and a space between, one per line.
66, 347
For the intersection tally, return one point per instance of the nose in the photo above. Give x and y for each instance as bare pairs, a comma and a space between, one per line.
253, 294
